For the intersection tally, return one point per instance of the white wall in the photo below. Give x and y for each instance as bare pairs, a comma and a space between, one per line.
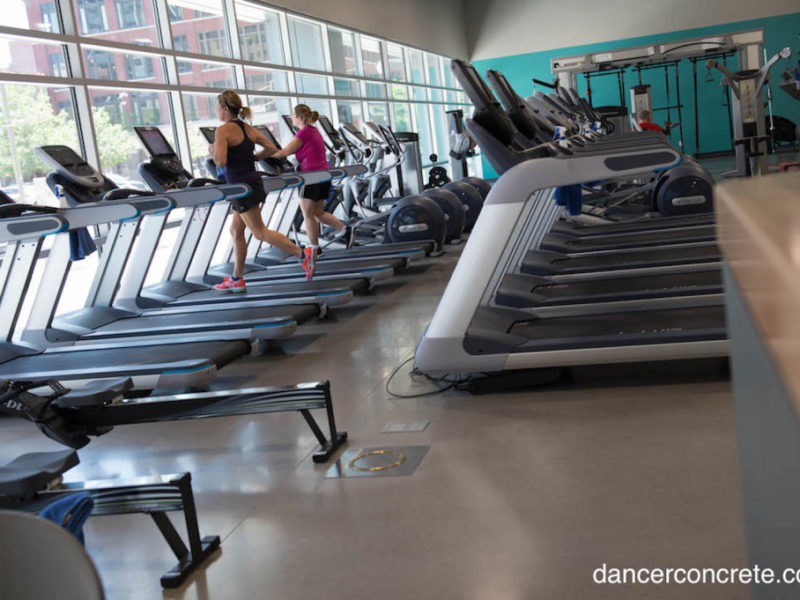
434, 25
498, 28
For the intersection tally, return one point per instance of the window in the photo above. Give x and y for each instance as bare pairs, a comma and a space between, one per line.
138, 66
259, 34
378, 113
212, 43
181, 42
374, 90
146, 109
175, 13
130, 13
372, 57
266, 79
343, 51
92, 16
416, 66
434, 69
49, 18
54, 121
100, 64
402, 117
311, 84
397, 64
207, 74
349, 112
58, 66
346, 87
399, 92
306, 44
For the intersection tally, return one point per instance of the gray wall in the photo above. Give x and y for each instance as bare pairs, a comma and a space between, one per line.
498, 28
434, 25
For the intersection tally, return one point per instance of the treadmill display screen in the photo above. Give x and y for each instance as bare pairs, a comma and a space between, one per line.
208, 133
288, 120
154, 141
266, 131
64, 156
327, 125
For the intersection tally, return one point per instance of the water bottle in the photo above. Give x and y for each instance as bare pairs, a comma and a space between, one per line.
60, 198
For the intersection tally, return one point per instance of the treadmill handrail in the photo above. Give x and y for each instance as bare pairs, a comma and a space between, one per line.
14, 228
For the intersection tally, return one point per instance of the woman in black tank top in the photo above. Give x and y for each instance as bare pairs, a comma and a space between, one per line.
233, 151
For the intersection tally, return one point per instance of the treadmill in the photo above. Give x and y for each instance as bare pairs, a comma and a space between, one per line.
150, 365
187, 279
470, 333
100, 319
288, 267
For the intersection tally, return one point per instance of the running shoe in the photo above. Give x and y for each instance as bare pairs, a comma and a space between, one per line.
309, 263
229, 285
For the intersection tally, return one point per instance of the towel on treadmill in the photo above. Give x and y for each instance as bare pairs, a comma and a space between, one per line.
71, 512
570, 196
81, 244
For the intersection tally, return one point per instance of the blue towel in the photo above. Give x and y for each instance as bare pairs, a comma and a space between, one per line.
570, 196
71, 512
81, 244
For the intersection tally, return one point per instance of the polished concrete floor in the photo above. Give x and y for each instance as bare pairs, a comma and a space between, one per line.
521, 495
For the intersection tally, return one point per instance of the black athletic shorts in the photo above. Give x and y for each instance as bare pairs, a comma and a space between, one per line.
256, 197
317, 191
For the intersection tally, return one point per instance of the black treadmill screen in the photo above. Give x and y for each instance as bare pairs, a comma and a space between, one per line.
208, 133
154, 141
267, 132
65, 156
327, 126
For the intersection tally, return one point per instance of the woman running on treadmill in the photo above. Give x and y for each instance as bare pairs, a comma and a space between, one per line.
310, 151
233, 151
646, 123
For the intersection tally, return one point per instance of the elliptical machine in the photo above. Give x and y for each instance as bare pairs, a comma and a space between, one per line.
749, 127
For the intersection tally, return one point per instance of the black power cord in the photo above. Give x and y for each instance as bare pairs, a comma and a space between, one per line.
417, 375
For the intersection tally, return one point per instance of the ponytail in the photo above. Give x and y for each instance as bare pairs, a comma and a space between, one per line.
305, 114
233, 102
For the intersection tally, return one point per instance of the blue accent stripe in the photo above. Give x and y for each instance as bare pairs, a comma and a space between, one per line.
279, 324
195, 370
342, 293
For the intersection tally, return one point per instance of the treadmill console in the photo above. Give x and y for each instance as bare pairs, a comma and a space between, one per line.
160, 151
208, 133
274, 166
70, 165
288, 120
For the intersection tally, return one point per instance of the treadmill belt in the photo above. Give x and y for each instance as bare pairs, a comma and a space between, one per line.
129, 360
622, 329
668, 283
327, 268
210, 320
632, 259
275, 291
677, 236
631, 226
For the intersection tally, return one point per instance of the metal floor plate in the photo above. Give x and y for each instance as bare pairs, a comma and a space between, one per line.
377, 462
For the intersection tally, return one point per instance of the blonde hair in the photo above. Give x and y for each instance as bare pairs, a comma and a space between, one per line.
305, 114
233, 102
644, 116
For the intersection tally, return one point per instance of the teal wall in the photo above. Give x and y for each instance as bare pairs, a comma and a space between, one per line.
779, 32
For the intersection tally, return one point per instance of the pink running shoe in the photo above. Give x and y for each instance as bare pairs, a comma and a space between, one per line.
309, 263
229, 285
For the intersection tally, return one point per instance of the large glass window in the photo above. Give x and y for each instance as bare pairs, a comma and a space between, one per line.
416, 66
264, 80
35, 116
181, 42
402, 117
311, 84
378, 112
130, 21
349, 112
259, 34
346, 87
207, 74
306, 42
49, 20
123, 66
100, 64
268, 111
201, 21
130, 13
374, 90
423, 124
397, 64
31, 57
343, 51
372, 57
434, 69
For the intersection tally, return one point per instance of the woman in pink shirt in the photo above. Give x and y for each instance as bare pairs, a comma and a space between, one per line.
309, 149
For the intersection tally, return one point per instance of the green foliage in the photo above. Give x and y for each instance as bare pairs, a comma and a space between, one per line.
28, 111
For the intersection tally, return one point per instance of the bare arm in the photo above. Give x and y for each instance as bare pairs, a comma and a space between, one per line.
221, 146
290, 148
